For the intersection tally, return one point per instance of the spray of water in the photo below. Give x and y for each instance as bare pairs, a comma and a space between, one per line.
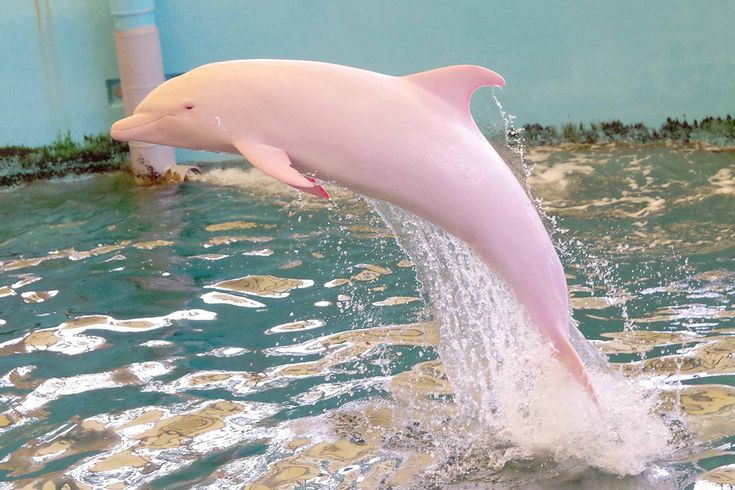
509, 388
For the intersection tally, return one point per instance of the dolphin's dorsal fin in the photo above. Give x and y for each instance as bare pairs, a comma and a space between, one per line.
455, 84
275, 162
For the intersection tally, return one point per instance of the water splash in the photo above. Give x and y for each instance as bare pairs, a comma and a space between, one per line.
514, 139
509, 389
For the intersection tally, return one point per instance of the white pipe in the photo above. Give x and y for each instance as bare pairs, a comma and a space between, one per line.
140, 63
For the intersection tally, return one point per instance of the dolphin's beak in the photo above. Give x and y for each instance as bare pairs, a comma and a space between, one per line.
132, 128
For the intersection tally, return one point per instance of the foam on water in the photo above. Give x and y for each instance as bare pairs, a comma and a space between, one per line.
508, 386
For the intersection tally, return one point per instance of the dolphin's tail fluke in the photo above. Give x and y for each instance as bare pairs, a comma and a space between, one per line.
571, 360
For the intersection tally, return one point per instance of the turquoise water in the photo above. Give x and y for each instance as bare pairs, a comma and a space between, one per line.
130, 357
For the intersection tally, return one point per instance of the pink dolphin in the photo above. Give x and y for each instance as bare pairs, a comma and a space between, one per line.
407, 140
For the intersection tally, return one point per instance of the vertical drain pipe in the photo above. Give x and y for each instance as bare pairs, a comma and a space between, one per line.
140, 63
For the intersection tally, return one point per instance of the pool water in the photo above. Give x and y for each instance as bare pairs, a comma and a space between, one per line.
227, 332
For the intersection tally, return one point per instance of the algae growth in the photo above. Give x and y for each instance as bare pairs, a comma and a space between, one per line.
713, 131
94, 154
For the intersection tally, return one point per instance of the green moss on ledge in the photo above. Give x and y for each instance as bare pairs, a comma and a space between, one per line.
714, 131
63, 157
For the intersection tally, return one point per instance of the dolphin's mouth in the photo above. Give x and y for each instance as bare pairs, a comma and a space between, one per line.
124, 129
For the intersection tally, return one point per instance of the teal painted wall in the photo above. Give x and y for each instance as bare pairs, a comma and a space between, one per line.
579, 60
53, 67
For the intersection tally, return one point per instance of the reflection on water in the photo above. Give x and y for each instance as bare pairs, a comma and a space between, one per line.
150, 338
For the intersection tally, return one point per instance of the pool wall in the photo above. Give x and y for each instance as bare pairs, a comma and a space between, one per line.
563, 61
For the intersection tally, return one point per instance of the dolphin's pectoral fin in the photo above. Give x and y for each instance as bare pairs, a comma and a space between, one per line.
274, 162
455, 84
